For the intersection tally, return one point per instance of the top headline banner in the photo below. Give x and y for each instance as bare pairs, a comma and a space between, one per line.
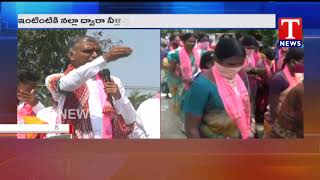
146, 21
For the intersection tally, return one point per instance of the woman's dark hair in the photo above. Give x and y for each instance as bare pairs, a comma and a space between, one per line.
205, 58
172, 37
186, 36
201, 36
256, 44
229, 47
296, 54
225, 36
25, 76
270, 54
239, 35
258, 37
248, 40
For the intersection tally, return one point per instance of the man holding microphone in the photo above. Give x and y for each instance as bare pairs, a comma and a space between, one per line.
100, 104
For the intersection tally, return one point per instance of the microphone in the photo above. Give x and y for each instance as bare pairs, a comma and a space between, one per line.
106, 75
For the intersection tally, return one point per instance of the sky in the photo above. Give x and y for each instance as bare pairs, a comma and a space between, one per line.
142, 67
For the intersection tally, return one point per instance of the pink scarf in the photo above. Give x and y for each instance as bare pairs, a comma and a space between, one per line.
78, 99
108, 111
256, 56
250, 62
26, 110
270, 69
291, 79
198, 46
185, 63
237, 106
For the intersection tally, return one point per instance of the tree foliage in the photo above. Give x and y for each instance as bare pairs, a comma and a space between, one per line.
267, 36
136, 98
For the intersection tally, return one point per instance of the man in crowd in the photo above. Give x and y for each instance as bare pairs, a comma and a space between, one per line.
29, 105
102, 109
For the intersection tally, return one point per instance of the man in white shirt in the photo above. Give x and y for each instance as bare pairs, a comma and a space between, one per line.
29, 105
83, 88
147, 125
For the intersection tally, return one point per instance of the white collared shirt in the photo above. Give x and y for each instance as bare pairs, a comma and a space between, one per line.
83, 74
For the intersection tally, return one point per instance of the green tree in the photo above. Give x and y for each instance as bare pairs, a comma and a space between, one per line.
44, 52
136, 98
267, 36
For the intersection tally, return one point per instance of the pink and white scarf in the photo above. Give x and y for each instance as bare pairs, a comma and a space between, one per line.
250, 61
185, 64
108, 111
26, 110
237, 105
270, 69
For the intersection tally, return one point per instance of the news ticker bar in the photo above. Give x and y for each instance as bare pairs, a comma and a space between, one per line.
146, 21
35, 128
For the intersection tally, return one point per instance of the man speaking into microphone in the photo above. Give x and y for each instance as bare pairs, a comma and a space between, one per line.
92, 101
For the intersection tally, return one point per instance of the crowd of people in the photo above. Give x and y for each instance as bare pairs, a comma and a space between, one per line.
230, 89
87, 98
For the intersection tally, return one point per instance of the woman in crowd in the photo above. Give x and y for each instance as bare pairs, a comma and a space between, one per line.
184, 64
289, 123
174, 41
266, 62
250, 65
281, 83
218, 102
207, 60
281, 55
203, 42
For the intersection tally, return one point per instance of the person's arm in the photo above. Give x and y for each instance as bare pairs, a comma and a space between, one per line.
260, 68
31, 99
273, 101
244, 76
277, 86
123, 105
194, 105
79, 76
255, 71
192, 124
39, 106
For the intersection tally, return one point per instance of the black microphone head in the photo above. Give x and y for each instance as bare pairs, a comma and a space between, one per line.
106, 74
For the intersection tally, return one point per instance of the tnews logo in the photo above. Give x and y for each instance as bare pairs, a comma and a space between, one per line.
290, 32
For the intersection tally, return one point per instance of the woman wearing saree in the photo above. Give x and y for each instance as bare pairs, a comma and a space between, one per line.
283, 81
289, 123
218, 102
184, 66
267, 63
250, 65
